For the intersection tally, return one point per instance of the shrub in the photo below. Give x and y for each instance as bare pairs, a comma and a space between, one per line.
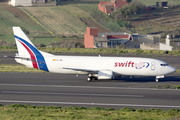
17, 106
126, 109
140, 110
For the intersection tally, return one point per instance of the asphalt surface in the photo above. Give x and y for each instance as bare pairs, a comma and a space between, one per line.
69, 90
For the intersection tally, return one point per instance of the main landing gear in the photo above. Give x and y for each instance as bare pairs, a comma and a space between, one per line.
91, 77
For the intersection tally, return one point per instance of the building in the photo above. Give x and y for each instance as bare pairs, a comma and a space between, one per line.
166, 46
150, 8
108, 6
147, 42
93, 39
43, 1
151, 42
32, 2
175, 43
147, 39
161, 4
21, 2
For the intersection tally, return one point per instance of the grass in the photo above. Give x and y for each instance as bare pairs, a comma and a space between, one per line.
98, 51
164, 22
8, 20
153, 2
102, 19
16, 68
57, 20
22, 112
167, 87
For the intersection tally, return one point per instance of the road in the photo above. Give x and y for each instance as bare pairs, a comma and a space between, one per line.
69, 90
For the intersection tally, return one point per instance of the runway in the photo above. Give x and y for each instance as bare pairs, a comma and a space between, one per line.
69, 90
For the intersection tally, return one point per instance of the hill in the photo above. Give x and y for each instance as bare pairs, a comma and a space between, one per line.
165, 21
68, 21
153, 2
54, 24
11, 16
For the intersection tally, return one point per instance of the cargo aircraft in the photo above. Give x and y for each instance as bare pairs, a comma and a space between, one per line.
95, 67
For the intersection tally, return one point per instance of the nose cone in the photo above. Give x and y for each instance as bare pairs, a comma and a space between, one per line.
171, 69
168, 70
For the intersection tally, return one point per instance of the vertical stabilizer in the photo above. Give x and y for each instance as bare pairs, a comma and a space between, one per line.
19, 36
26, 49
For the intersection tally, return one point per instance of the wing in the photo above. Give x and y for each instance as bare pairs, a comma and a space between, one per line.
84, 70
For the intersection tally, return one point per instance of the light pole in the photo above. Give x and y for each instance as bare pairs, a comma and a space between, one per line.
36, 38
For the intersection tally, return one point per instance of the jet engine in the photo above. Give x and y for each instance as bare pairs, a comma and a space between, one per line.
105, 74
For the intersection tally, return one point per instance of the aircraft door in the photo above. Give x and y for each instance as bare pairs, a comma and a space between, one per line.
153, 65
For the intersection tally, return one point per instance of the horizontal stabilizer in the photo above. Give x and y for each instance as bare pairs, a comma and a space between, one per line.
28, 59
17, 57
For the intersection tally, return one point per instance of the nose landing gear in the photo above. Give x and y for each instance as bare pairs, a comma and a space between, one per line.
157, 80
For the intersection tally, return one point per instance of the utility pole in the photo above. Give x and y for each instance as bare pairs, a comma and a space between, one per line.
36, 38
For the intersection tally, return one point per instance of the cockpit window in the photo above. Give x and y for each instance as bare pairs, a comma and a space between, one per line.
164, 65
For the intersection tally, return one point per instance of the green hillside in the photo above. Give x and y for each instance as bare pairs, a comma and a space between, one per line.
11, 16
59, 20
153, 2
55, 23
69, 20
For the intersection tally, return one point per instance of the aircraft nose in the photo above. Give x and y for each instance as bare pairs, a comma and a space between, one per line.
172, 69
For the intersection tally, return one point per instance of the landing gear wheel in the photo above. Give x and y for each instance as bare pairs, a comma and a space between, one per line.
157, 80
89, 79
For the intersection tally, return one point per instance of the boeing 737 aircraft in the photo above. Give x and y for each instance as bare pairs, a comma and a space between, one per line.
96, 67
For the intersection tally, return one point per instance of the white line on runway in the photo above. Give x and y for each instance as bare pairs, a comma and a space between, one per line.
90, 87
78, 94
75, 103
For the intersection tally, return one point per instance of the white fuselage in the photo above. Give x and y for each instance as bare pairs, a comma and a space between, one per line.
119, 65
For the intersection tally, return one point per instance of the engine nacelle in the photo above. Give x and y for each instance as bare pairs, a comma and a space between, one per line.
105, 74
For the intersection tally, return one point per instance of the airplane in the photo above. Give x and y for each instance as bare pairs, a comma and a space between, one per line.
95, 67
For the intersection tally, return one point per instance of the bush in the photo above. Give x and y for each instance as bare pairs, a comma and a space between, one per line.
140, 110
25, 30
97, 108
17, 106
128, 10
79, 45
138, 52
126, 109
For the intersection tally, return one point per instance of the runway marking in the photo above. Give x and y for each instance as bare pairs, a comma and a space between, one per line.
90, 87
78, 94
101, 104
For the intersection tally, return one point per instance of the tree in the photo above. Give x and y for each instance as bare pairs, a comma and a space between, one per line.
128, 10
128, 1
25, 30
